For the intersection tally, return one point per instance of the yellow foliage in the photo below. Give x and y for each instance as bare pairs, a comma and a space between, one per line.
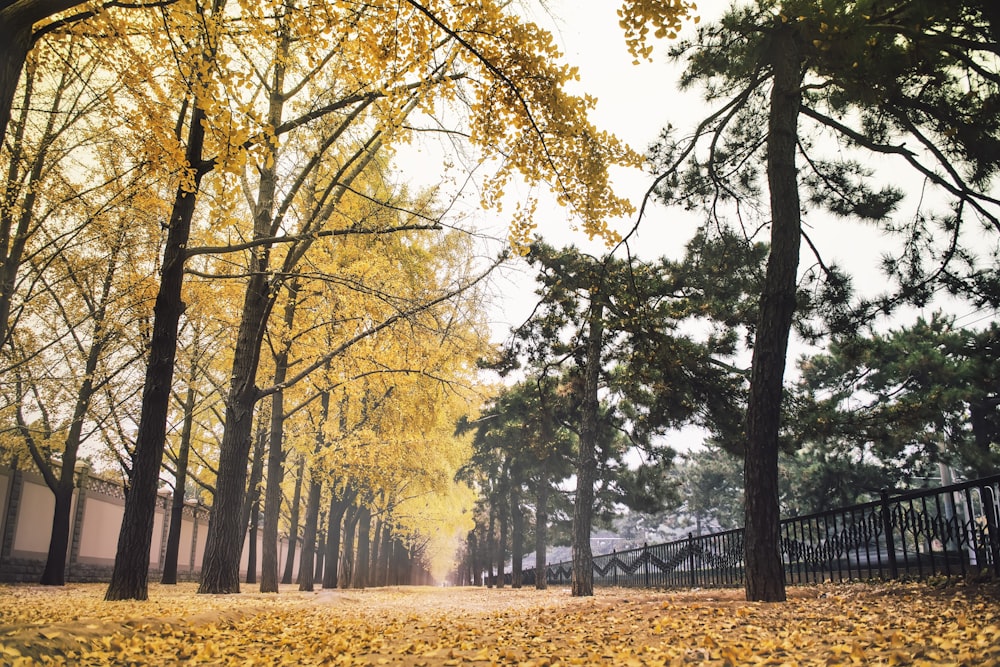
665, 17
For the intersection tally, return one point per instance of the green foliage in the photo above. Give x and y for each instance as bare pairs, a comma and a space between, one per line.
913, 396
900, 84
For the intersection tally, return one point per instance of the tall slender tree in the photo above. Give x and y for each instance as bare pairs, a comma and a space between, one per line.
892, 79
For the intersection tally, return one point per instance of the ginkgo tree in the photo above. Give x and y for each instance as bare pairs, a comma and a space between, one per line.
518, 114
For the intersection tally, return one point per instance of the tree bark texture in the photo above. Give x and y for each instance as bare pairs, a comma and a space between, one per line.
541, 534
346, 573
490, 542
180, 480
582, 582
129, 578
384, 555
293, 524
765, 575
220, 568
272, 495
17, 20
307, 561
501, 552
320, 554
361, 572
335, 517
252, 544
516, 539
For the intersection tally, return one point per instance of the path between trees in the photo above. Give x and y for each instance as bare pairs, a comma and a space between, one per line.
851, 624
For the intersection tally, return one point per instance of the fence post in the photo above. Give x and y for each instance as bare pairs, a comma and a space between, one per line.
890, 542
693, 576
645, 565
993, 536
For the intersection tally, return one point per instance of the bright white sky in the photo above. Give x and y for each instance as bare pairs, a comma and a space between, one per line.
635, 102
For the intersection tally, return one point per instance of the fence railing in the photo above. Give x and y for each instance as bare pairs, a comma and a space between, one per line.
951, 531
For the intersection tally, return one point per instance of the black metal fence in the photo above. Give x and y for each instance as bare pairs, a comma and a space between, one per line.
950, 531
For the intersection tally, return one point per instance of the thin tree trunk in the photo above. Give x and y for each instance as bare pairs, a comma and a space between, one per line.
541, 534
256, 475
583, 567
347, 551
129, 578
338, 505
220, 571
180, 480
55, 563
583, 574
252, 545
516, 539
501, 553
765, 575
490, 581
360, 579
272, 495
373, 575
293, 524
384, 555
276, 464
320, 553
472, 546
307, 560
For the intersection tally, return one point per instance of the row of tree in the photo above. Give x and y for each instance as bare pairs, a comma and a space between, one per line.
240, 148
806, 94
206, 251
892, 410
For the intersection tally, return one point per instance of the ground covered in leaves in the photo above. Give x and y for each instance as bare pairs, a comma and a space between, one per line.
855, 624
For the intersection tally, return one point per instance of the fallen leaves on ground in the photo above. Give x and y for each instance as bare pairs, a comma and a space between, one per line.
850, 624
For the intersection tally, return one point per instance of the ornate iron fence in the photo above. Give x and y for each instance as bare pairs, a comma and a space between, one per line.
951, 531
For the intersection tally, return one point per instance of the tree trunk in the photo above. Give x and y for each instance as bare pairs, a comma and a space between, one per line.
307, 561
360, 579
399, 564
220, 571
276, 467
384, 555
347, 551
490, 581
293, 524
320, 553
765, 575
252, 544
55, 563
273, 496
472, 547
334, 519
17, 20
583, 561
516, 539
180, 480
54, 573
252, 499
541, 534
131, 571
501, 552
373, 574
